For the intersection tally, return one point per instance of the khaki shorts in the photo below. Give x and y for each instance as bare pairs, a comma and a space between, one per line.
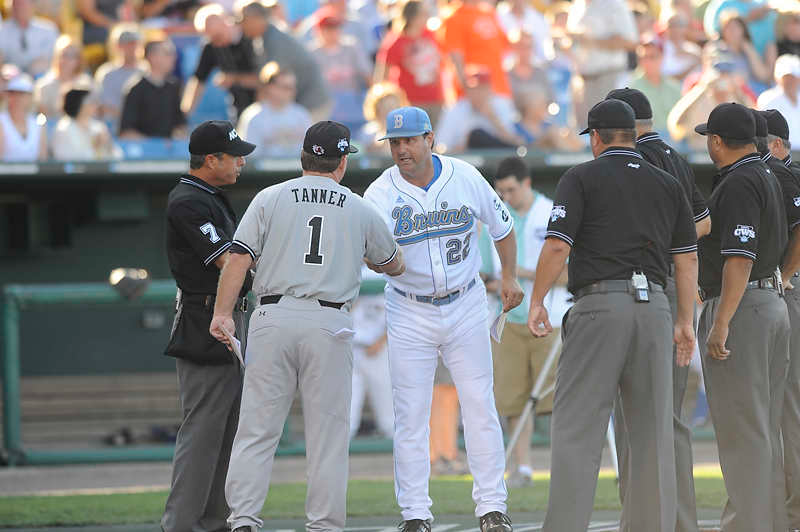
518, 359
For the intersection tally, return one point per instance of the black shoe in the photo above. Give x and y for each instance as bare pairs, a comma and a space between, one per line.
415, 525
495, 522
246, 528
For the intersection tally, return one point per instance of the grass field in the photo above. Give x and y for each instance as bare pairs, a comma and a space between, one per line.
365, 498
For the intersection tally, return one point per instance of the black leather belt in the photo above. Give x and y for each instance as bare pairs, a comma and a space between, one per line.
208, 301
768, 283
602, 287
271, 300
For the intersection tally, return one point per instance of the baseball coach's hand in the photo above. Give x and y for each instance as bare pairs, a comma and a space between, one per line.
218, 323
511, 293
538, 321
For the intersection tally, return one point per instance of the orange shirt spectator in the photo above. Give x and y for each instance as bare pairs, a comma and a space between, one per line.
473, 36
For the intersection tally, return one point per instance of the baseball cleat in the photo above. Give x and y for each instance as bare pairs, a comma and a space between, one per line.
246, 528
495, 522
415, 525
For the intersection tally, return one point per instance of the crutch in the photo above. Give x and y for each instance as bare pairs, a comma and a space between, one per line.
536, 394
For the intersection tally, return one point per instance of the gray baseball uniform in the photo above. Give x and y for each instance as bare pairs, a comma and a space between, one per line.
308, 237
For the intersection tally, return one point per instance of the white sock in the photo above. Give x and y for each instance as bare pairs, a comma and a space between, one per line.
525, 470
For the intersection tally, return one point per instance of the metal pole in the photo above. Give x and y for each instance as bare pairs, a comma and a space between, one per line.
12, 433
536, 394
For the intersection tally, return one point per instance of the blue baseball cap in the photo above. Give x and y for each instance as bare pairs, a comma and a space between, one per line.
407, 122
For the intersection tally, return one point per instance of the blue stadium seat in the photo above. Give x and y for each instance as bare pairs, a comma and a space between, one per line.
153, 148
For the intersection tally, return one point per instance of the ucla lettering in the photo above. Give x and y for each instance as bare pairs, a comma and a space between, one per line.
431, 224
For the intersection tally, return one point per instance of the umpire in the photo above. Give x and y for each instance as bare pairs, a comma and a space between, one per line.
617, 218
200, 227
789, 177
744, 325
301, 334
660, 154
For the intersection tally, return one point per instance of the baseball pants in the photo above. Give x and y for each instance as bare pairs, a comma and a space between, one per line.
614, 345
209, 398
418, 333
371, 379
687, 506
745, 397
790, 424
294, 344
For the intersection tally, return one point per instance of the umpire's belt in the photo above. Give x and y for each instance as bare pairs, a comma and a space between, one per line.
437, 301
208, 301
271, 300
769, 283
603, 287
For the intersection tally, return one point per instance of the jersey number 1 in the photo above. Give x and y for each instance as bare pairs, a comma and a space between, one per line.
313, 256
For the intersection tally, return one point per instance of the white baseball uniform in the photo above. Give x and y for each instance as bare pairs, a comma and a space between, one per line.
438, 307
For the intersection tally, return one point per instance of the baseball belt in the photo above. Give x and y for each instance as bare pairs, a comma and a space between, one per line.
613, 285
272, 299
440, 300
769, 283
208, 301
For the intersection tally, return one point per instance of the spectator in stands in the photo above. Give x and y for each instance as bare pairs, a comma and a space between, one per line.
23, 138
714, 88
603, 32
735, 41
789, 34
270, 43
151, 106
681, 56
228, 50
25, 40
381, 98
524, 74
561, 68
78, 135
518, 16
410, 58
112, 77
275, 123
685, 10
662, 91
345, 67
758, 15
481, 119
351, 26
98, 17
785, 96
537, 128
174, 11
66, 70
472, 35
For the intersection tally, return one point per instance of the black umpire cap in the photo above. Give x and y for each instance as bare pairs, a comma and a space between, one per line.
328, 139
760, 122
730, 121
611, 114
636, 99
218, 136
776, 123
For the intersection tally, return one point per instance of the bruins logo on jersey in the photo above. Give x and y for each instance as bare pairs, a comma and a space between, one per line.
412, 228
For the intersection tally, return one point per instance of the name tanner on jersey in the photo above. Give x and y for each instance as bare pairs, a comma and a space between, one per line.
319, 195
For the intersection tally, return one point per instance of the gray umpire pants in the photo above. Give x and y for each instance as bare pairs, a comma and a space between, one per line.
294, 344
687, 506
611, 344
210, 403
790, 424
745, 397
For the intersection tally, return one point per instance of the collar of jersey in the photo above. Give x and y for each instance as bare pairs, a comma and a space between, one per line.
766, 157
788, 160
189, 179
648, 137
750, 158
418, 193
614, 150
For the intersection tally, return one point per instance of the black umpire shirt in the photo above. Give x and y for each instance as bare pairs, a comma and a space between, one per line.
790, 187
620, 213
749, 220
658, 153
200, 227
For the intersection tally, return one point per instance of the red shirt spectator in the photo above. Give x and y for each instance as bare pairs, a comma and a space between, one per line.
412, 60
473, 36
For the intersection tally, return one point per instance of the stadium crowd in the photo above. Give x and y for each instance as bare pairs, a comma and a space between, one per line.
99, 79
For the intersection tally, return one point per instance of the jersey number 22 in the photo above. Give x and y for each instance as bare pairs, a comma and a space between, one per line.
456, 252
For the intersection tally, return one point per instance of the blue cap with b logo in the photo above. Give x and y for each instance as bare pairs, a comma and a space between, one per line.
407, 122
